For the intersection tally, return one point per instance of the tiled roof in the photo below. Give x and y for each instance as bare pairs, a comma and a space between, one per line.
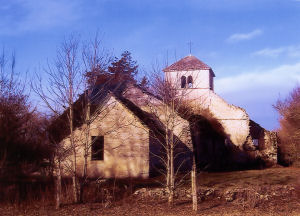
187, 63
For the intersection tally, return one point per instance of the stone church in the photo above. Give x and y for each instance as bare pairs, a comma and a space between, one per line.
246, 138
127, 129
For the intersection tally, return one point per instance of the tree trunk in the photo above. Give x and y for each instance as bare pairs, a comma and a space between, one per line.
86, 151
167, 148
194, 184
58, 186
74, 180
168, 182
172, 177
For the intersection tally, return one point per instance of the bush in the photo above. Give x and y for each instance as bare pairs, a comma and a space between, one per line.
23, 148
289, 132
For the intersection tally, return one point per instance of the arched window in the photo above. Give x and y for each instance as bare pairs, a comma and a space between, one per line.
190, 81
183, 82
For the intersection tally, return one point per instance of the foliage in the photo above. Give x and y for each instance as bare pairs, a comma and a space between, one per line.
144, 83
289, 132
124, 68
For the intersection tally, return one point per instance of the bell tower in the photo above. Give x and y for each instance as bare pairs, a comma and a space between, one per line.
192, 76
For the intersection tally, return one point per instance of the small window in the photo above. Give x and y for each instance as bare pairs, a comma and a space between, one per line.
190, 81
183, 82
211, 81
255, 142
227, 142
97, 148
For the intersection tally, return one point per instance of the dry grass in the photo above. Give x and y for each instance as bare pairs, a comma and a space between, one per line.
271, 176
255, 183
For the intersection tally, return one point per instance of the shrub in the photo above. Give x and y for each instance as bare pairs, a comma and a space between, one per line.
289, 132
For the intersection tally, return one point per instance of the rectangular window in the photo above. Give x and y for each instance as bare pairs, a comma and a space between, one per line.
211, 81
97, 148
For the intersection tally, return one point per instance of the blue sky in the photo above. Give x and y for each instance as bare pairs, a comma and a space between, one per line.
253, 46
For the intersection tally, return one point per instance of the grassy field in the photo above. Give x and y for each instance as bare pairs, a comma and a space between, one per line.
271, 176
274, 191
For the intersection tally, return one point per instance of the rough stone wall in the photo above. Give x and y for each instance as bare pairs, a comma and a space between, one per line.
126, 144
236, 124
269, 151
234, 120
152, 105
266, 150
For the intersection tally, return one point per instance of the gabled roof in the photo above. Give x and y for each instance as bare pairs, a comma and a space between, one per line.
187, 63
99, 96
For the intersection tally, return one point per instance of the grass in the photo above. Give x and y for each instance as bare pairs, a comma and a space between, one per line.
271, 176
266, 182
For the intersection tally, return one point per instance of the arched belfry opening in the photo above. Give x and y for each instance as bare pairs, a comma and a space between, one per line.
190, 82
183, 82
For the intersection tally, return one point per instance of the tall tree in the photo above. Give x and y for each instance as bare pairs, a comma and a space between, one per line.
173, 111
64, 85
71, 83
96, 61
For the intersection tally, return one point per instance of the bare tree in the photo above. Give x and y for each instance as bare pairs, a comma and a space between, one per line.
62, 89
172, 110
100, 80
96, 60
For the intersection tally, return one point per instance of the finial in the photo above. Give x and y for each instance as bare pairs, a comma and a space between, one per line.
190, 48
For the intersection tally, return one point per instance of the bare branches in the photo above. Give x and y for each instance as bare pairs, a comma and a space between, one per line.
64, 81
10, 84
64, 84
96, 60
169, 108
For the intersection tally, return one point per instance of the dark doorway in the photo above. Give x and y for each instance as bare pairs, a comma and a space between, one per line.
209, 144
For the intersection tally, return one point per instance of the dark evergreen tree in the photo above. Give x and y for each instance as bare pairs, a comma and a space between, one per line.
144, 82
124, 69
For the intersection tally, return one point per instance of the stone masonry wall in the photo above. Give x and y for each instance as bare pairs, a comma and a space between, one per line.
126, 144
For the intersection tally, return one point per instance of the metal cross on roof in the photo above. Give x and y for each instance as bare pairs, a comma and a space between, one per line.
190, 46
